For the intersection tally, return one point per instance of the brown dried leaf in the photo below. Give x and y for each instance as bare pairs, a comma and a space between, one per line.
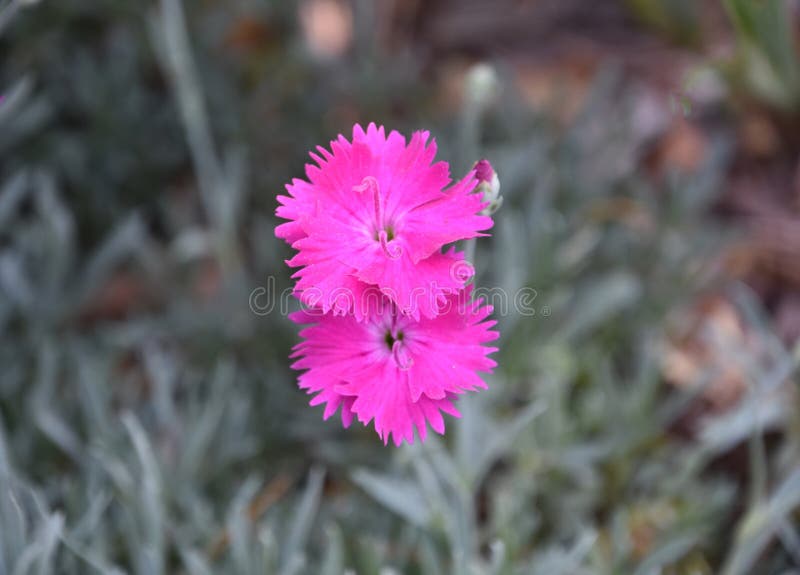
691, 355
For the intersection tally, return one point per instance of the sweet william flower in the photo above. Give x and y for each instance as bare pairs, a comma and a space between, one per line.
378, 211
392, 370
347, 294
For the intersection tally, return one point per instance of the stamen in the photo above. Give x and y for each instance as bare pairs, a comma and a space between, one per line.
370, 183
401, 357
392, 251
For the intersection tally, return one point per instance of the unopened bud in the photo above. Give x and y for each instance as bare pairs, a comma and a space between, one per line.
488, 186
481, 85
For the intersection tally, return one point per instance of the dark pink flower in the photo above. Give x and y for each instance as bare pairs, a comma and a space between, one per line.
376, 211
393, 370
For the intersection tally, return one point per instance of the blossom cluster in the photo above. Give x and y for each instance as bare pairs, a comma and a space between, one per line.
394, 334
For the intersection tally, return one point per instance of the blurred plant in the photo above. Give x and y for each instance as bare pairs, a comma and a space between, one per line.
767, 60
149, 422
678, 19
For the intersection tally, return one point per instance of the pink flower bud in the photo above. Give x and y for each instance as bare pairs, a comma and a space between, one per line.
484, 171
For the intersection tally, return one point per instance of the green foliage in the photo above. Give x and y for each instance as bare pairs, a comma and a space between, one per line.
765, 63
767, 58
167, 435
678, 19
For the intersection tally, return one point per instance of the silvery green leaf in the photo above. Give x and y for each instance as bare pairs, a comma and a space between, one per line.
301, 522
151, 556
401, 496
761, 524
333, 557
195, 563
602, 299
14, 191
756, 414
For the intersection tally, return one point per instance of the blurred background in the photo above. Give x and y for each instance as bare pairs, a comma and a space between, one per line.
643, 420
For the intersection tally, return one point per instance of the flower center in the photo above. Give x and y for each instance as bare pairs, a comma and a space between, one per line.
394, 341
391, 338
384, 233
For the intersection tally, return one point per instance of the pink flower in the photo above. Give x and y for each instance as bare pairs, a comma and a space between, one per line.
375, 211
394, 370
396, 337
